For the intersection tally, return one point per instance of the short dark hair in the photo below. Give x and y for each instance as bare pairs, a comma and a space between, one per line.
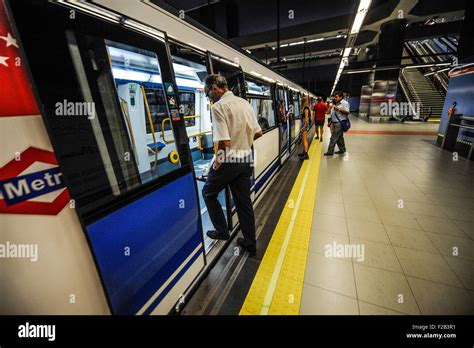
338, 93
216, 79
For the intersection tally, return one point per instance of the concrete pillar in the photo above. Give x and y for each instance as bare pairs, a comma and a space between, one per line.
390, 48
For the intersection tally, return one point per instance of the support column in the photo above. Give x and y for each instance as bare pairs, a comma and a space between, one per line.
390, 48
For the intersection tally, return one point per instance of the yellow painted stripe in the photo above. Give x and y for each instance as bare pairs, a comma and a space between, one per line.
278, 284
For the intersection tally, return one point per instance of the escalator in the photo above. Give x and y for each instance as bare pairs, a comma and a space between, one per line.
427, 85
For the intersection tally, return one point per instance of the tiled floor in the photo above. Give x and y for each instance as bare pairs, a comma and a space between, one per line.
410, 209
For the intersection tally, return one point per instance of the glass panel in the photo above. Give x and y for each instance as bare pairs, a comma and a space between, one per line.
141, 96
257, 88
268, 112
263, 109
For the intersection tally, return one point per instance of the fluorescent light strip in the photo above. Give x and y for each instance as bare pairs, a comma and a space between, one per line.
309, 41
358, 21
427, 66
360, 16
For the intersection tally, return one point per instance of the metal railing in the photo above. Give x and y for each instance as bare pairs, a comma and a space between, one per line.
199, 135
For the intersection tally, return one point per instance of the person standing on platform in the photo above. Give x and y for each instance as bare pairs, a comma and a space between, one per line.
339, 113
234, 128
320, 109
306, 116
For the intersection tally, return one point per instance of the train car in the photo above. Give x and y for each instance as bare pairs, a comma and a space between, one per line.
106, 134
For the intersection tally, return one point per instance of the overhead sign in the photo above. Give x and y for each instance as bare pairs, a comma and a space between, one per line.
21, 187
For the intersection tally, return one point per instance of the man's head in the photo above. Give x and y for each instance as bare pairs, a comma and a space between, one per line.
338, 96
215, 86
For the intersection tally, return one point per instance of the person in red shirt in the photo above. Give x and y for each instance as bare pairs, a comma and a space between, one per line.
320, 109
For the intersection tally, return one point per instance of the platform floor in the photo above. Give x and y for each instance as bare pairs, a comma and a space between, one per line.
412, 208
397, 213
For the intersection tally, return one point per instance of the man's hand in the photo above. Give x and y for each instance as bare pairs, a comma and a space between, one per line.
257, 135
216, 165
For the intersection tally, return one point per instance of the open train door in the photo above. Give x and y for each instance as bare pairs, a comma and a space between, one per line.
284, 122
236, 83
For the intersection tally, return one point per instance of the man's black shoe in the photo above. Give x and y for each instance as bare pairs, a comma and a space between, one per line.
215, 235
251, 250
301, 154
328, 154
340, 152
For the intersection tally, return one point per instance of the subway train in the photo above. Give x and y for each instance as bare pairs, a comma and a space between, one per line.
106, 133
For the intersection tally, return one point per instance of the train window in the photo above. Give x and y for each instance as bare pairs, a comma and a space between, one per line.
144, 108
296, 104
232, 72
113, 76
254, 87
260, 98
190, 71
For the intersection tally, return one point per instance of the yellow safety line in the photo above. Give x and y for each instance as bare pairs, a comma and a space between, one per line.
278, 284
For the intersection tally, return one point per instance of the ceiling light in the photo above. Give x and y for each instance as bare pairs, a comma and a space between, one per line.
360, 16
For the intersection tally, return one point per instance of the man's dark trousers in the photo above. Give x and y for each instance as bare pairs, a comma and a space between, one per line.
237, 176
337, 137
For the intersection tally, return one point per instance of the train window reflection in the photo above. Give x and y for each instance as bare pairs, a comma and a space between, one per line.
260, 98
139, 87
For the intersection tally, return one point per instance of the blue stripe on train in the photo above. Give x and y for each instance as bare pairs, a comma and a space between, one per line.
168, 288
159, 232
258, 185
266, 176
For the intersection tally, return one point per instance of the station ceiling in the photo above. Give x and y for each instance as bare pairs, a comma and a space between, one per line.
252, 25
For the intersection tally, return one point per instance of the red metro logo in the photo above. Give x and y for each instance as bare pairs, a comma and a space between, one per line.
32, 185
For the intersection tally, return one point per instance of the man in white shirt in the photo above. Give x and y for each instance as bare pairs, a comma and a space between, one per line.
339, 113
234, 128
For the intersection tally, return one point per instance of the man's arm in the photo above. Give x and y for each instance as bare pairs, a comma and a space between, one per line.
221, 136
343, 110
257, 135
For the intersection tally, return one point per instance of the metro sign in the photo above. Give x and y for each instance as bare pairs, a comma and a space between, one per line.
19, 187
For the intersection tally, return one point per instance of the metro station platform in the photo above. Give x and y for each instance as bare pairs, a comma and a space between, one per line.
386, 229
